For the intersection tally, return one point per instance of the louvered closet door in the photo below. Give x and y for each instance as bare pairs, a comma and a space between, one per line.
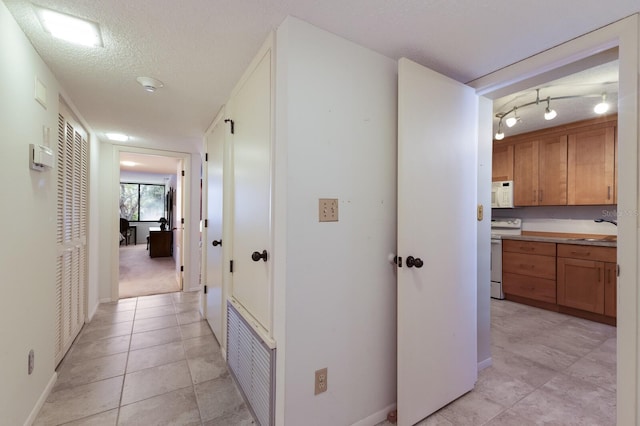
72, 203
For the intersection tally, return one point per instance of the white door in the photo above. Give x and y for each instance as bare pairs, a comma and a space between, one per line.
250, 110
178, 226
213, 237
437, 172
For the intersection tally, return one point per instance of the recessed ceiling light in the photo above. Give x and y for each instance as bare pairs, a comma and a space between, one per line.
128, 163
69, 28
150, 84
118, 137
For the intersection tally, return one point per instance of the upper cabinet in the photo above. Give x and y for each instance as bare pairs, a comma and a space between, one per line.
502, 168
540, 170
572, 164
591, 167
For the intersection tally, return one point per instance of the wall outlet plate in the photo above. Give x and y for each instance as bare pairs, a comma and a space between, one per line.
321, 381
328, 209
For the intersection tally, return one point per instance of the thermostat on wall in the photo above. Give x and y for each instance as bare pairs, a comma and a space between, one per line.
40, 157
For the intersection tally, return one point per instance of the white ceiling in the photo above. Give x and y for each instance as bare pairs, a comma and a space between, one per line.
199, 48
145, 163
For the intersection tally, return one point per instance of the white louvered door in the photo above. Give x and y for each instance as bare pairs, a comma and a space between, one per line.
71, 234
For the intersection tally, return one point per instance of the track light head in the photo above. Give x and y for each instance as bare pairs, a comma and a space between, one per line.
603, 106
549, 114
500, 134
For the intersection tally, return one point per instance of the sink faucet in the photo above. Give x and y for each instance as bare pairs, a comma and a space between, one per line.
606, 220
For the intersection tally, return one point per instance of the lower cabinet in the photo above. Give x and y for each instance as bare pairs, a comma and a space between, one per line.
529, 270
585, 278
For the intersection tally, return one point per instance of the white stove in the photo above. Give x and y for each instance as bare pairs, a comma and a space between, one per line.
500, 227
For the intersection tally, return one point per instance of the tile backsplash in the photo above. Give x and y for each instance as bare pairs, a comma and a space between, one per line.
573, 219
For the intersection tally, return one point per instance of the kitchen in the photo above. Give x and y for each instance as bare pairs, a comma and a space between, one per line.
554, 194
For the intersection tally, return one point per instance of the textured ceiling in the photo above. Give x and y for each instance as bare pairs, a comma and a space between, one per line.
199, 48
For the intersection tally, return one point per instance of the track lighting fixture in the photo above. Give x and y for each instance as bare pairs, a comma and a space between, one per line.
603, 106
549, 113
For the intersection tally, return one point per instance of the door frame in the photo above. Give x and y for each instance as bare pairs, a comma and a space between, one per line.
624, 35
114, 215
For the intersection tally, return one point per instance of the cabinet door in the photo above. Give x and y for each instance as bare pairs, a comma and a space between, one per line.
525, 174
610, 290
581, 284
591, 167
552, 171
502, 166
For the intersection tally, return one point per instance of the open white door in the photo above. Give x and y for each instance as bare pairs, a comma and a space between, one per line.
178, 226
213, 236
437, 173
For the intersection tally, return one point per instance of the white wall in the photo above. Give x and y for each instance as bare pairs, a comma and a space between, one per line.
28, 253
336, 138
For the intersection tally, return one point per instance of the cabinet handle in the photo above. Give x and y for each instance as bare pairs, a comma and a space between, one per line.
609, 192
526, 248
541, 195
599, 270
609, 276
535, 195
577, 253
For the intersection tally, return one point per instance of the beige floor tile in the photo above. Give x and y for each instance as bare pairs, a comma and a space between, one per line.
78, 372
195, 329
92, 333
187, 307
121, 305
148, 324
240, 417
189, 317
201, 345
531, 372
157, 311
471, 409
550, 357
112, 317
108, 418
206, 367
152, 303
99, 348
80, 401
155, 381
186, 296
500, 387
218, 398
155, 337
174, 408
154, 356
509, 418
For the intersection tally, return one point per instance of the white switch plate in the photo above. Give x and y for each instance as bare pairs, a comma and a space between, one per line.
328, 209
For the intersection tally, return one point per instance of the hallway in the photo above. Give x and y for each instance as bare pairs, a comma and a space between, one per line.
145, 361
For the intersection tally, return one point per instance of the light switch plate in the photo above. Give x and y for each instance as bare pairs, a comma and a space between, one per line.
328, 210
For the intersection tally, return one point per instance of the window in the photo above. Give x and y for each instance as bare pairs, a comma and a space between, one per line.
141, 202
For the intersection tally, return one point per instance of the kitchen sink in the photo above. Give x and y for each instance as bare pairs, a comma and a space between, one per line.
610, 238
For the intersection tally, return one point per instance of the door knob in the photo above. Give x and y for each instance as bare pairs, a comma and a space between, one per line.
216, 243
257, 256
414, 261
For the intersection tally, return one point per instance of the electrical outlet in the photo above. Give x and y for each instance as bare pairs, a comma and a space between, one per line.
321, 381
328, 209
31, 361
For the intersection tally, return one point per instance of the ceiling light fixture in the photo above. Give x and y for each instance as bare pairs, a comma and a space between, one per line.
603, 106
500, 134
150, 84
549, 114
117, 137
128, 163
69, 28
511, 121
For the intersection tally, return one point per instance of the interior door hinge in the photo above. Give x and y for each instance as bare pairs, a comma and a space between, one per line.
181, 268
617, 270
206, 223
183, 173
205, 289
228, 120
206, 156
231, 266
182, 220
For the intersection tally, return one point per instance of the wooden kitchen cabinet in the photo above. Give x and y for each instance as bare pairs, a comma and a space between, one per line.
540, 172
502, 163
529, 270
582, 277
591, 167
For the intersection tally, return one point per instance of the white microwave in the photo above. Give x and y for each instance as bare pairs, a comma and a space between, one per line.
502, 194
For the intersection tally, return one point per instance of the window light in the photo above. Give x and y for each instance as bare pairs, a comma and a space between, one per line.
69, 28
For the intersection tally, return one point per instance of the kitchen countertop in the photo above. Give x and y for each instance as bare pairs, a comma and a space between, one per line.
604, 242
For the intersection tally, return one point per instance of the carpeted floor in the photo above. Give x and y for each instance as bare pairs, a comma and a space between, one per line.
141, 275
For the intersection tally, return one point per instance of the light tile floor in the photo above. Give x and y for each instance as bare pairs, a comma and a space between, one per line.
548, 369
151, 360
148, 360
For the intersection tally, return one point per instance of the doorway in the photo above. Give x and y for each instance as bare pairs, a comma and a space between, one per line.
150, 193
543, 67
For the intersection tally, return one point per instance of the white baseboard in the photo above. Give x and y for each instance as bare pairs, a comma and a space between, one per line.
484, 364
376, 417
41, 400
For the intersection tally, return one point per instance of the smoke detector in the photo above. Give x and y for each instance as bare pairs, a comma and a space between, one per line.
150, 84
